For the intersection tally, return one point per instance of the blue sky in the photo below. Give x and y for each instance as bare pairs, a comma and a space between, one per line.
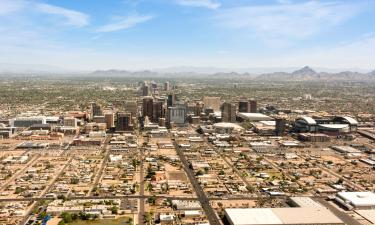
147, 34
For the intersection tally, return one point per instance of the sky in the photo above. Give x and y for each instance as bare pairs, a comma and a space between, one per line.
149, 34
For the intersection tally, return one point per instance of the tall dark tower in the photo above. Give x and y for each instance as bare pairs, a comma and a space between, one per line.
171, 100
124, 122
147, 107
96, 110
280, 127
146, 90
244, 106
228, 112
253, 106
157, 111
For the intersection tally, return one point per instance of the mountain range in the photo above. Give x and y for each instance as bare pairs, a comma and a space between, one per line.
304, 74
289, 74
308, 74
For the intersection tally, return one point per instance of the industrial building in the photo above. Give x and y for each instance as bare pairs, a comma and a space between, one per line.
265, 128
227, 128
356, 200
303, 202
7, 132
253, 117
313, 137
347, 151
284, 216
27, 121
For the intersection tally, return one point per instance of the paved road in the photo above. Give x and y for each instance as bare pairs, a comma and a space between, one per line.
141, 189
205, 202
134, 197
45, 191
102, 166
342, 215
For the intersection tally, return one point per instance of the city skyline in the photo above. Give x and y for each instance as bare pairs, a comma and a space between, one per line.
141, 34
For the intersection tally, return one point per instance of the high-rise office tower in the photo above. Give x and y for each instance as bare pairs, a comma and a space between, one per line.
228, 112
96, 110
244, 105
132, 107
124, 122
147, 107
109, 118
157, 111
253, 106
146, 90
280, 126
172, 98
167, 86
177, 114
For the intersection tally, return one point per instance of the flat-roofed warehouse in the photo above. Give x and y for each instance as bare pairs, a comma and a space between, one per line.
281, 216
356, 200
303, 202
253, 117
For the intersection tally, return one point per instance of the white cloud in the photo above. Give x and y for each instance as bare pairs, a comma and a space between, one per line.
358, 54
125, 23
14, 8
284, 1
293, 20
72, 17
11, 6
200, 3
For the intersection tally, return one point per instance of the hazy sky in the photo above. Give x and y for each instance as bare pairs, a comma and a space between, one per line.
145, 34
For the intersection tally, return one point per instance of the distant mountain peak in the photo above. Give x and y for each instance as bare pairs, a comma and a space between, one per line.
305, 71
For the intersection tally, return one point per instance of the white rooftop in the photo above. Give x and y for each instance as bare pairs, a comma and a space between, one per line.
276, 216
358, 199
334, 126
228, 125
252, 216
254, 116
268, 123
305, 202
351, 120
345, 149
309, 120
